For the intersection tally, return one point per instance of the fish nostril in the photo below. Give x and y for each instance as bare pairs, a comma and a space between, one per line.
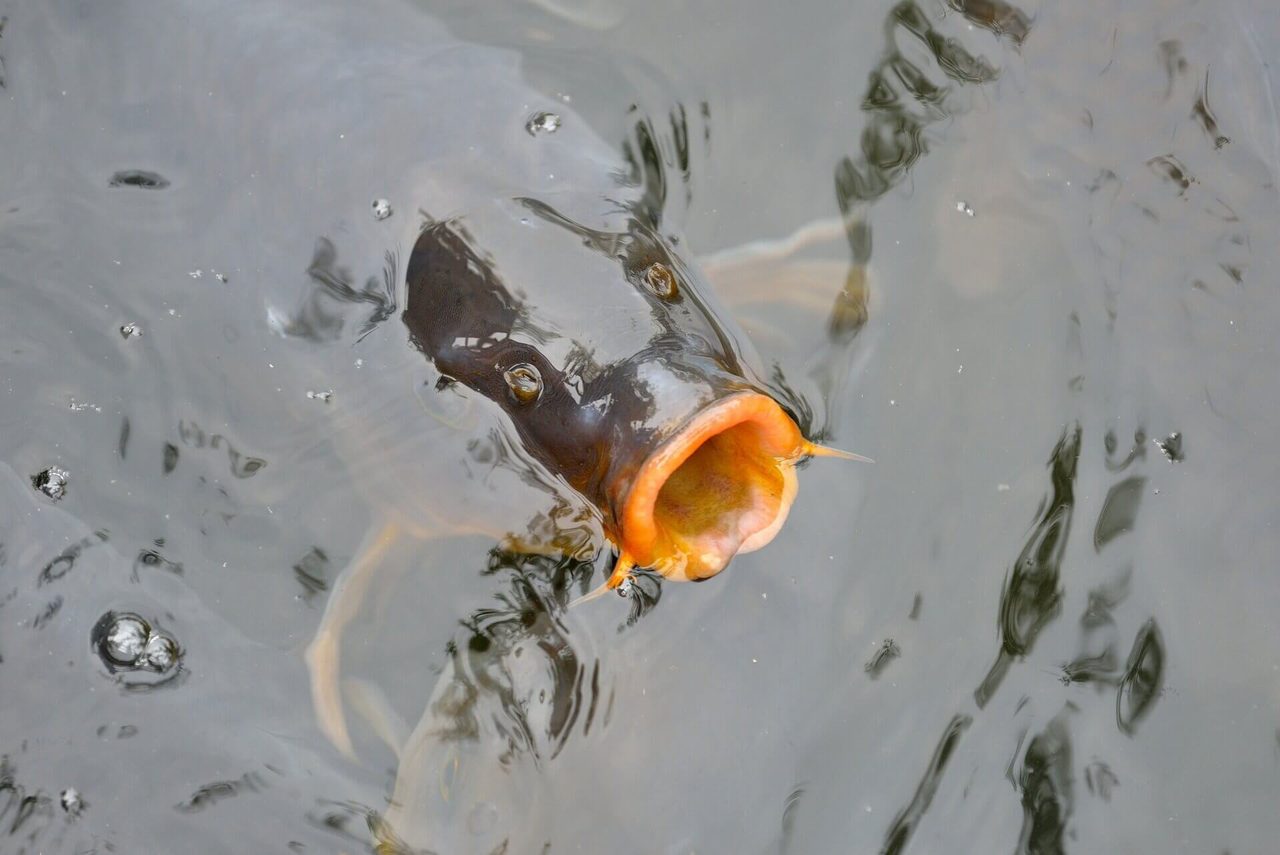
661, 281
524, 381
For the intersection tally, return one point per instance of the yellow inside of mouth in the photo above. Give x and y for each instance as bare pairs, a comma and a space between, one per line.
722, 485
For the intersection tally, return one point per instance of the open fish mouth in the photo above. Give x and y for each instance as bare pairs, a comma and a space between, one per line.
723, 484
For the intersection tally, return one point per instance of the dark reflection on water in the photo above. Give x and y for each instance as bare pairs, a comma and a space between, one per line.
139, 178
650, 155
169, 461
24, 815
525, 622
903, 97
515, 687
313, 573
353, 824
1096, 662
1143, 678
901, 100
321, 316
1119, 511
1137, 452
905, 823
1046, 784
1032, 596
193, 436
65, 562
1100, 780
210, 794
880, 660
149, 559
1204, 115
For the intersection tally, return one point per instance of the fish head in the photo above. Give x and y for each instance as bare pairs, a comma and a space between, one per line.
618, 372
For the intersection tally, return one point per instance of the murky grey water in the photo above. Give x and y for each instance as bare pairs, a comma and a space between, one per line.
1036, 624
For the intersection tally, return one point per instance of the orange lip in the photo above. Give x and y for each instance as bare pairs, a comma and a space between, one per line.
722, 485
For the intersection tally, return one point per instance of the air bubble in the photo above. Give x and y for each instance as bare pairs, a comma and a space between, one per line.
382, 209
221, 277
964, 208
195, 274
542, 123
125, 640
323, 397
160, 654
52, 482
130, 330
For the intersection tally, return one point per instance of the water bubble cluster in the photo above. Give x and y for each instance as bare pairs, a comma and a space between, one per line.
130, 330
964, 208
52, 482
323, 397
382, 209
127, 642
542, 123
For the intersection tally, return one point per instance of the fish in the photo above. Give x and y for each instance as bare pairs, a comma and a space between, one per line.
638, 394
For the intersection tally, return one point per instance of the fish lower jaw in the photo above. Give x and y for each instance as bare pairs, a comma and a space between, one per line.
722, 485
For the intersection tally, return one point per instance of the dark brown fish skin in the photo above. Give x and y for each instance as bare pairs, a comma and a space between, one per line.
616, 397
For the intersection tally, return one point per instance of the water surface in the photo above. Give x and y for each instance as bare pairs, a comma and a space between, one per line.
1038, 623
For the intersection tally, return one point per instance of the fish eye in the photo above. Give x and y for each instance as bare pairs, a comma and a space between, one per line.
661, 281
524, 381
